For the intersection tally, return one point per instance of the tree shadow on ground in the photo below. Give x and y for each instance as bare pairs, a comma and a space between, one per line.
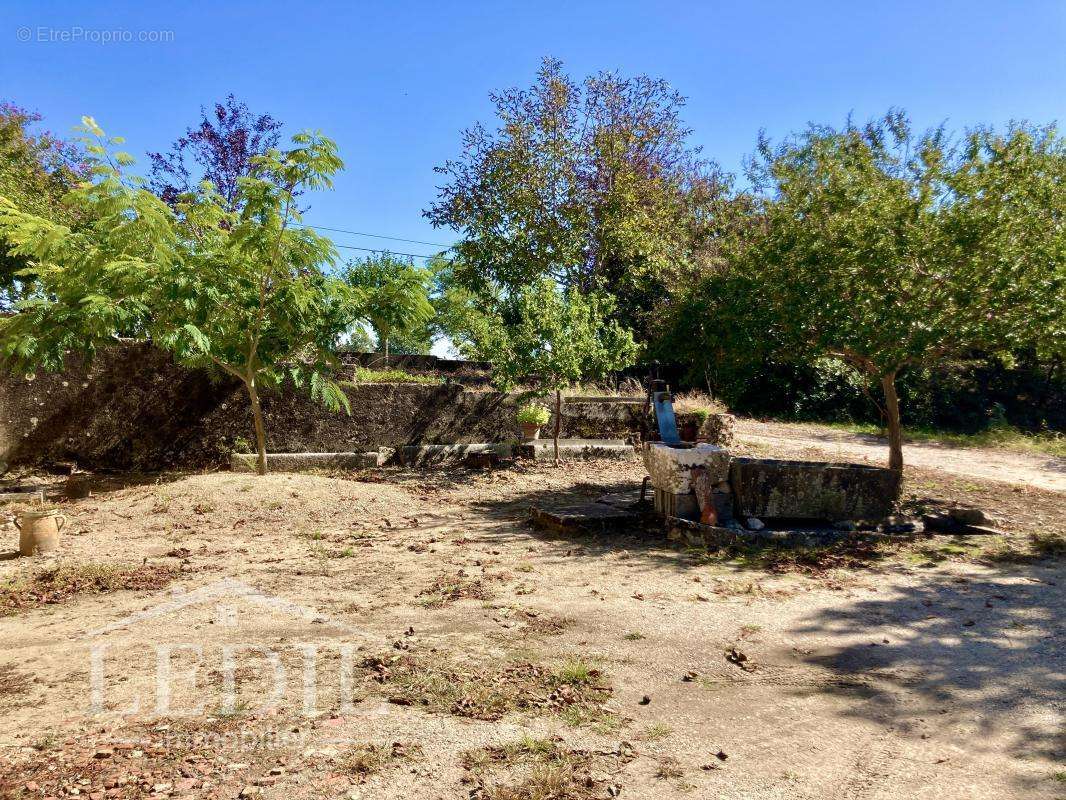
646, 537
982, 653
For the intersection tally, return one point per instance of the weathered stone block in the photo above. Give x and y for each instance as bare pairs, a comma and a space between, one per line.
680, 505
811, 490
543, 449
670, 466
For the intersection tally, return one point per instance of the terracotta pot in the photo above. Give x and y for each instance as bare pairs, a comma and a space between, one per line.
39, 531
530, 431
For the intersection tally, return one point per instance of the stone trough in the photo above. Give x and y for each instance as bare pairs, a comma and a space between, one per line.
702, 483
811, 491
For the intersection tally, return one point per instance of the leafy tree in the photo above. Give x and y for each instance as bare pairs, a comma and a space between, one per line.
395, 297
543, 336
459, 314
593, 185
891, 250
221, 148
36, 172
241, 291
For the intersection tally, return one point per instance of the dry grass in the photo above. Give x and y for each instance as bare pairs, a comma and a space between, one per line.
541, 769
363, 760
487, 693
446, 589
61, 583
699, 403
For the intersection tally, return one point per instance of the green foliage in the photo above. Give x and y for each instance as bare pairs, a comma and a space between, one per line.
549, 338
533, 414
891, 250
36, 172
395, 300
366, 375
241, 291
593, 185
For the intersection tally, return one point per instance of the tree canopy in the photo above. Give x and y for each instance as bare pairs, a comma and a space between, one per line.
221, 149
890, 249
395, 299
593, 185
241, 291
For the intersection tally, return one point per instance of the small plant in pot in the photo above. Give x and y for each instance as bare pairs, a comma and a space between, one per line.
531, 418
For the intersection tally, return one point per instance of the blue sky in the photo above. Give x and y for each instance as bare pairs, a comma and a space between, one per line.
394, 83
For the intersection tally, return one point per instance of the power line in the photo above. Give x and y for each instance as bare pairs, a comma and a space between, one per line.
391, 252
375, 235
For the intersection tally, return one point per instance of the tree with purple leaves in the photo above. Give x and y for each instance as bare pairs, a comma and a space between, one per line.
219, 149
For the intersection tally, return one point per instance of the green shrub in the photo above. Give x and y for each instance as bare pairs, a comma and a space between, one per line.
533, 414
366, 375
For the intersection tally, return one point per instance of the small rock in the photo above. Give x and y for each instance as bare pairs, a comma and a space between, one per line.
721, 755
690, 676
645, 700
754, 524
968, 515
104, 753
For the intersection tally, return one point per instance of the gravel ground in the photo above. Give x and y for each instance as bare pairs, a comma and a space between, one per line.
490, 660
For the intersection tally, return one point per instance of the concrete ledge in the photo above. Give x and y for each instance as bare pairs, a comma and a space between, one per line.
439, 453
583, 517
301, 462
695, 534
576, 448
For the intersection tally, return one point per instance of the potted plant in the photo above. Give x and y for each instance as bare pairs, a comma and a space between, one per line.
531, 418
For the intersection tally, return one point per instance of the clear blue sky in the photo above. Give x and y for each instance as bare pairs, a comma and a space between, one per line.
394, 83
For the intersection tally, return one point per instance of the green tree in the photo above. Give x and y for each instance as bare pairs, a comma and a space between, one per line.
890, 250
36, 172
242, 292
395, 298
593, 185
550, 338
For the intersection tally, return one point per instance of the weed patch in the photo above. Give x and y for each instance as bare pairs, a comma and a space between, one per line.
543, 769
486, 694
363, 760
59, 584
446, 589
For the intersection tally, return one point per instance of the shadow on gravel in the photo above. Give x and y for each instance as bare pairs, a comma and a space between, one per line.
986, 652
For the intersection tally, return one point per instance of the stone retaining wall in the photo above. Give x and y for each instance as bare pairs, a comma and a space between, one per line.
133, 408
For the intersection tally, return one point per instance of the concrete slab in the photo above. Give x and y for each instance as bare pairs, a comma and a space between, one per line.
624, 500
576, 448
583, 517
301, 462
422, 454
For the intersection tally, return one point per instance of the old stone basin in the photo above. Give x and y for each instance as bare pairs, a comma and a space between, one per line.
670, 465
769, 488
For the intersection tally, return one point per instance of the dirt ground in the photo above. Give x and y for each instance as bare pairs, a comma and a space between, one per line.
820, 441
434, 645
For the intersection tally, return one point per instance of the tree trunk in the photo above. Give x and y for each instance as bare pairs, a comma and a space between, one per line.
558, 423
260, 429
895, 430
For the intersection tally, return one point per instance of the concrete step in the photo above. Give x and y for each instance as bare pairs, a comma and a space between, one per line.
583, 517
441, 453
541, 449
302, 462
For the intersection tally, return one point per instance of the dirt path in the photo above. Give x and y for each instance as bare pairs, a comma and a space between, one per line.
819, 441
